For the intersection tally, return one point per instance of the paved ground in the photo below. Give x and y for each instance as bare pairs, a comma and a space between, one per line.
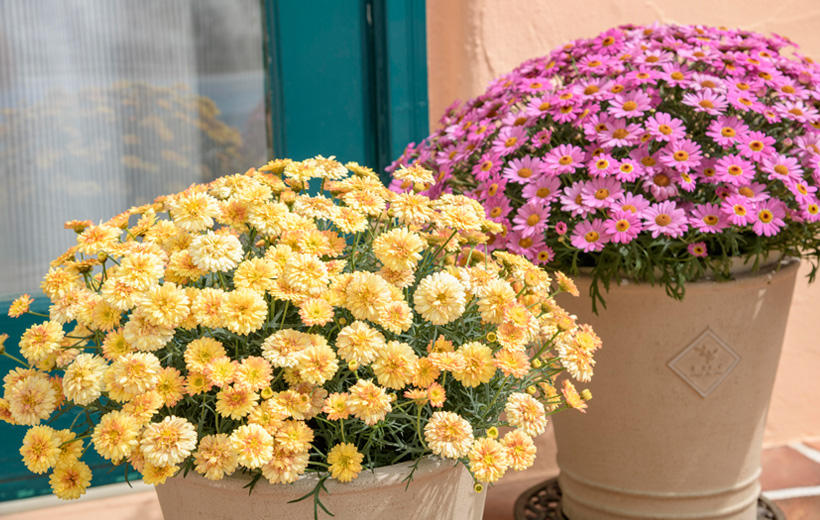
791, 477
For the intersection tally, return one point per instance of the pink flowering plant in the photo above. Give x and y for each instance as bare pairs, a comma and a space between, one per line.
655, 153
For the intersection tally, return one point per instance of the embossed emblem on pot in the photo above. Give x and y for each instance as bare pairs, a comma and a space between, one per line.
705, 363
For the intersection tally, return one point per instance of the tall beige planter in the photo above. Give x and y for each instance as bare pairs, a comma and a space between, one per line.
439, 490
680, 396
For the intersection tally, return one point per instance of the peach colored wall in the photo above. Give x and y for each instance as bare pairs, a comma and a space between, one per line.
470, 42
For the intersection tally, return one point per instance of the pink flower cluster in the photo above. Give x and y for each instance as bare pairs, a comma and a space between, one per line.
678, 133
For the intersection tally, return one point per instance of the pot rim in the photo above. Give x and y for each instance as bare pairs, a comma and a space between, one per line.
740, 272
382, 477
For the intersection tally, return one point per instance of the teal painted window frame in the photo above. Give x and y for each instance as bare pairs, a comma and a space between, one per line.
386, 43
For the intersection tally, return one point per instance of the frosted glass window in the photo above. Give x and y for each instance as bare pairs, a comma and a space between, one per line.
105, 104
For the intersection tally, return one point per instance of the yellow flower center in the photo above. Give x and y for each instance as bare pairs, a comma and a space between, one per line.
601, 193
565, 160
495, 212
609, 40
708, 84
616, 88
706, 103
765, 216
602, 164
648, 161
710, 219
543, 192
486, 165
591, 236
677, 75
591, 89
510, 141
626, 168
622, 225
620, 133
544, 106
796, 111
739, 210
756, 146
493, 189
662, 180
788, 89
735, 170
525, 173
665, 129
630, 208
802, 189
728, 131
525, 242
746, 192
629, 106
681, 155
709, 172
663, 219
533, 219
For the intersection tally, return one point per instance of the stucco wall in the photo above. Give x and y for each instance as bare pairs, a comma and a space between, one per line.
472, 41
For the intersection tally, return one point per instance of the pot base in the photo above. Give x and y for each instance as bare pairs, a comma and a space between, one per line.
543, 502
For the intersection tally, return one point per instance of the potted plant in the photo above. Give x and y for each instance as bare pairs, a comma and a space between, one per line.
676, 169
247, 335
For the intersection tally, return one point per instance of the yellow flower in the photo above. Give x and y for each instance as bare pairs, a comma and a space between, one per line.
97, 238
448, 435
216, 251
526, 413
411, 209
170, 386
401, 279
478, 364
215, 457
31, 398
293, 436
396, 316
414, 174
280, 348
565, 283
207, 307
193, 211
345, 462
426, 373
70, 480
71, 448
395, 365
20, 305
496, 295
573, 399
359, 342
138, 270
439, 298
153, 474
168, 442
399, 249
253, 445
520, 449
488, 460
235, 401
436, 395
116, 436
164, 305
40, 449
256, 274
143, 407
366, 295
220, 371
244, 311
295, 404
182, 269
255, 372
201, 351
317, 363
368, 402
144, 335
83, 380
285, 466
336, 406
315, 311
577, 360
135, 372
40, 341
512, 362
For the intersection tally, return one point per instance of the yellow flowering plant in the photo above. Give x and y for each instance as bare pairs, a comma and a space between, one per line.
296, 318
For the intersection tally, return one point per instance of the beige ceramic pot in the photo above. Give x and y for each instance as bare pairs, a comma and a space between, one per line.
680, 396
439, 490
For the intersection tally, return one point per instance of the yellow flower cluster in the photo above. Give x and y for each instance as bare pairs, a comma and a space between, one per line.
294, 318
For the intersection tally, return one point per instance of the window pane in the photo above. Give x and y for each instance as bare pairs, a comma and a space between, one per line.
105, 104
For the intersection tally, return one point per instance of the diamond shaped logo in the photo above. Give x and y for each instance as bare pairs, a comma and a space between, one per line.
705, 362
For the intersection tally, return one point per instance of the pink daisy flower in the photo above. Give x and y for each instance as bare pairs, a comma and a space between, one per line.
508, 140
648, 161
801, 190
561, 228
589, 236
523, 171
487, 165
527, 246
633, 104
697, 249
708, 218
543, 255
480, 130
687, 182
769, 218
543, 190
628, 170
661, 185
572, 200
706, 101
497, 208
531, 219
635, 204
564, 158
599, 193
727, 131
756, 145
542, 138
664, 127
538, 107
623, 226
782, 168
620, 133
682, 155
702, 81
601, 165
675, 75
665, 218
810, 210
744, 101
738, 210
796, 111
735, 170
